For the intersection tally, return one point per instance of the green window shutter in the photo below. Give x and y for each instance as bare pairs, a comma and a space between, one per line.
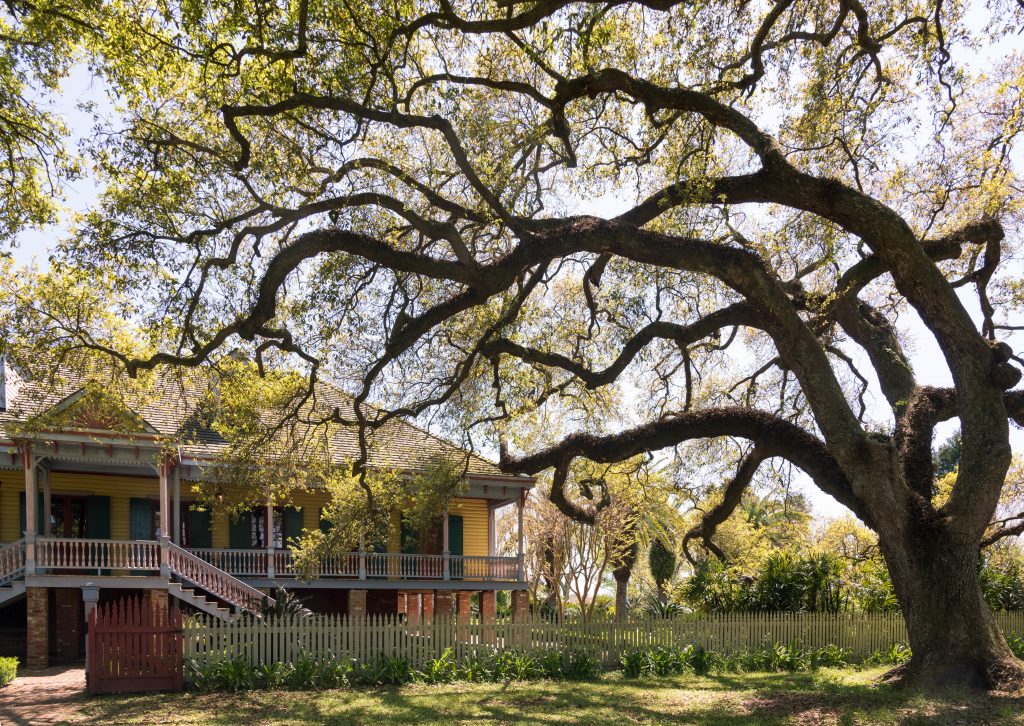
240, 532
292, 525
456, 568
39, 514
141, 518
199, 528
454, 534
97, 517
410, 539
325, 524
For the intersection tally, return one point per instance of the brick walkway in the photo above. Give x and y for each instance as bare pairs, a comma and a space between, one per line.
42, 695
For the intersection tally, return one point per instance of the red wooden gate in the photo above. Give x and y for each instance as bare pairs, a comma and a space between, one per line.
132, 648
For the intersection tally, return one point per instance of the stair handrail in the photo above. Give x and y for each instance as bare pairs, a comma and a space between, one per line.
214, 580
12, 561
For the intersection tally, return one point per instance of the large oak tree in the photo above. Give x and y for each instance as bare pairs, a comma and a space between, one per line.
653, 223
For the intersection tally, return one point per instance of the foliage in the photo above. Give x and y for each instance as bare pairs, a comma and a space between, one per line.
282, 604
895, 654
313, 672
662, 562
1003, 583
8, 670
770, 658
1016, 644
947, 456
655, 607
443, 669
318, 186
785, 583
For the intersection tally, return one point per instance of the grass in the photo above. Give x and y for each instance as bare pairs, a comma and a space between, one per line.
828, 696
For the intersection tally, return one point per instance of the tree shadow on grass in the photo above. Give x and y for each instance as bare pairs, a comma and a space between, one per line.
717, 700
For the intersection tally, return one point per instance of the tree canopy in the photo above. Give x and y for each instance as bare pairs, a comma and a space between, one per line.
654, 222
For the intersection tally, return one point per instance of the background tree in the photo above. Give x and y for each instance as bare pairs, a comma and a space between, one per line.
655, 222
661, 559
39, 45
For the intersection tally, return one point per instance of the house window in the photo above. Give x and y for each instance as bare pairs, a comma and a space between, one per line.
258, 528
67, 515
287, 526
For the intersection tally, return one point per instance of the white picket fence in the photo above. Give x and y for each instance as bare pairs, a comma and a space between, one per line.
369, 639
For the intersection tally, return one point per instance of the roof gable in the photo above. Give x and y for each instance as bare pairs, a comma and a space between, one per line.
86, 410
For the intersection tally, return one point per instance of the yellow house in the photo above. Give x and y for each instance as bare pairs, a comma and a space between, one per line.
92, 509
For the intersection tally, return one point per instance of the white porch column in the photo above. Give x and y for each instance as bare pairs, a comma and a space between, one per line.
176, 512
44, 472
166, 468
269, 534
445, 554
362, 557
520, 570
29, 464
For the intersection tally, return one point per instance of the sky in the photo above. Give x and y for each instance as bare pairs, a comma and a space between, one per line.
928, 360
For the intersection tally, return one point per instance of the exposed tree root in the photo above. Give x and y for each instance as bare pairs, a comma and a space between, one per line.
1000, 674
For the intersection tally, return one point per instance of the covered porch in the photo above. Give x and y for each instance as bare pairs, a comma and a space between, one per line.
56, 529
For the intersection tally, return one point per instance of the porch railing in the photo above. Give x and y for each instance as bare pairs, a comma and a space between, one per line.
97, 554
342, 565
247, 563
144, 556
371, 565
12, 561
405, 567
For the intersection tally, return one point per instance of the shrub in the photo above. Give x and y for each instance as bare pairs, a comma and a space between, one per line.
702, 661
830, 656
302, 675
655, 608
895, 654
512, 666
393, 671
553, 665
1017, 646
202, 677
440, 670
579, 665
8, 670
234, 675
663, 662
474, 668
273, 675
634, 663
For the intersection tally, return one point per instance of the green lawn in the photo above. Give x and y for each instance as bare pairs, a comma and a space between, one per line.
846, 696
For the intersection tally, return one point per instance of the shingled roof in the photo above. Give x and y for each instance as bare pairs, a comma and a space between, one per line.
172, 409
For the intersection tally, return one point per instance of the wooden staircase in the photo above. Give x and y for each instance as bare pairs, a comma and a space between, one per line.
12, 570
190, 573
191, 579
200, 601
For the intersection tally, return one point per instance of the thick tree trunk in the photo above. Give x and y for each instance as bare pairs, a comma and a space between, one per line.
953, 635
622, 576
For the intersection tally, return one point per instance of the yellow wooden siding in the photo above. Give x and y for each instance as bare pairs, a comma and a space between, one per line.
474, 525
121, 489
11, 482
